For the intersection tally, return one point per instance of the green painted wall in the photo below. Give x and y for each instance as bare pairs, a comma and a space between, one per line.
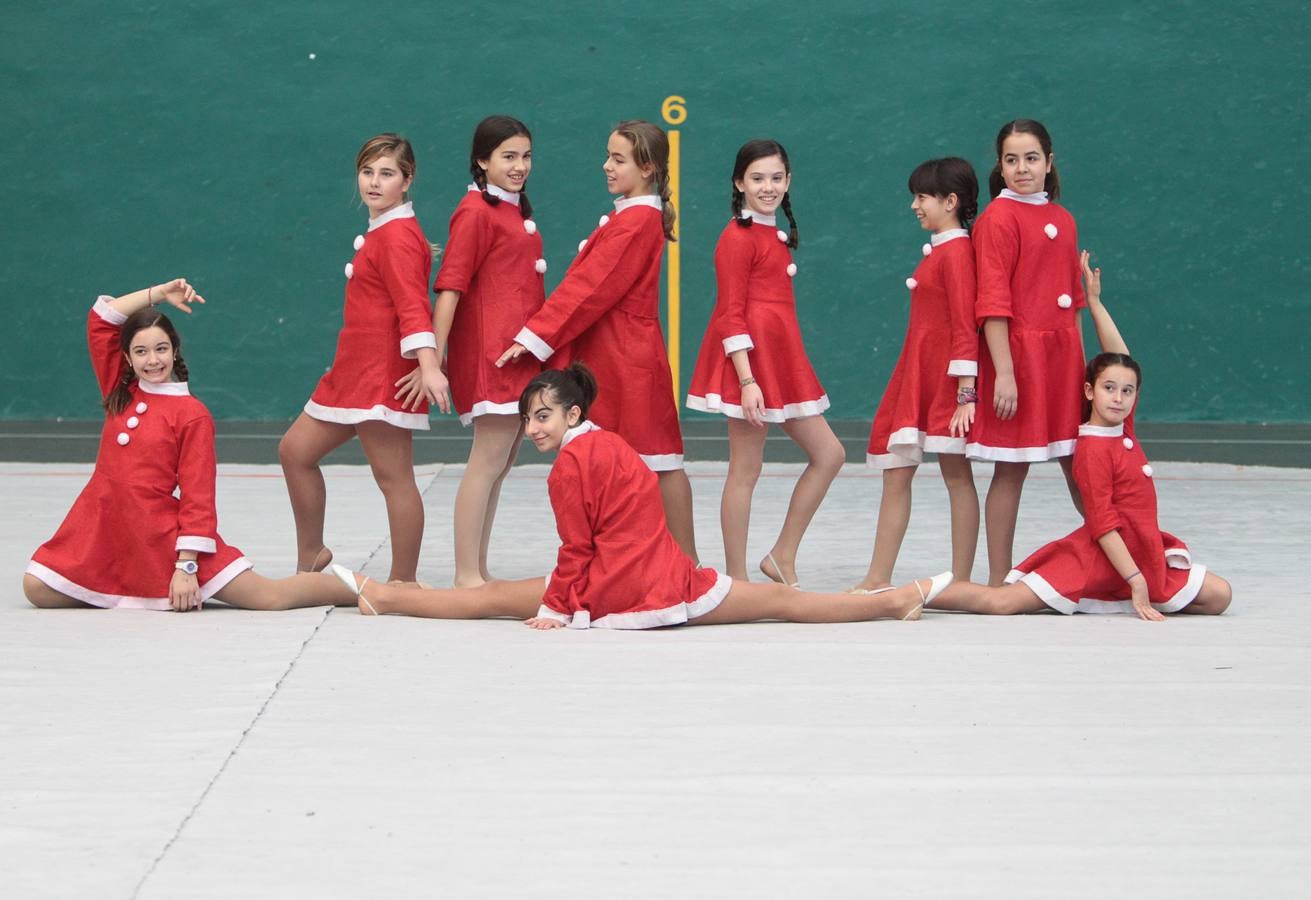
145, 140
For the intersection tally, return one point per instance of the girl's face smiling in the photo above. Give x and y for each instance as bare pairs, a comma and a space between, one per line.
382, 186
547, 421
509, 164
151, 355
622, 173
764, 183
1113, 396
1024, 166
935, 213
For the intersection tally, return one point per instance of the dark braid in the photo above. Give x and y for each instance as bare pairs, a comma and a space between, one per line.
121, 395
179, 367
793, 239
738, 197
667, 211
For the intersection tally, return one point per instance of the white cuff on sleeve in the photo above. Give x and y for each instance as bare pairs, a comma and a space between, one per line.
738, 342
961, 367
198, 544
411, 343
102, 308
536, 346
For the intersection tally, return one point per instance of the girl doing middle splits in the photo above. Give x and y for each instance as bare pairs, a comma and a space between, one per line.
618, 566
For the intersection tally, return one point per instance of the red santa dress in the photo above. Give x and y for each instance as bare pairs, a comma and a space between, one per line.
606, 312
942, 344
618, 565
117, 545
493, 257
1073, 574
388, 317
1026, 256
754, 299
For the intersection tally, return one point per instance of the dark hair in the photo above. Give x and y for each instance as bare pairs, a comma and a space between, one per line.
121, 395
762, 148
1099, 364
1025, 126
572, 386
490, 134
950, 175
651, 148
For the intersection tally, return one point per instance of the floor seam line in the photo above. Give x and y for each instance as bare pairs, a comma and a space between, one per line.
195, 808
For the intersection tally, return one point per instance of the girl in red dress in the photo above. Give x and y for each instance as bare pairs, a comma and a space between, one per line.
753, 366
387, 323
129, 541
1027, 265
1119, 560
489, 284
929, 401
606, 311
618, 566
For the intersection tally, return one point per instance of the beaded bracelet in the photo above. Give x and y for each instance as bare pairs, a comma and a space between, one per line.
966, 395
746, 381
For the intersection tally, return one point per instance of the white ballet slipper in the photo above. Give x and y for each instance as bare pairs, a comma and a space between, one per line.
347, 577
937, 584
779, 572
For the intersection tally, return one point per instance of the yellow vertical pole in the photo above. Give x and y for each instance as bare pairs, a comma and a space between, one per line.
674, 112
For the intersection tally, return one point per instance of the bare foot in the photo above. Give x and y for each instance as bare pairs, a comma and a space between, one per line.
774, 571
322, 559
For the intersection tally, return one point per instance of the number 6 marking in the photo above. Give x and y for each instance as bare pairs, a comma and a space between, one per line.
674, 109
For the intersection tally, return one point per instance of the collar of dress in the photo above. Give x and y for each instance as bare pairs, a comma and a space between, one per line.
168, 388
759, 218
498, 193
650, 200
949, 235
580, 428
1038, 199
1101, 430
404, 211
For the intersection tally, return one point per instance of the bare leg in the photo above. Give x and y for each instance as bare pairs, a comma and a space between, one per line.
43, 596
494, 441
768, 600
1005, 600
250, 590
746, 456
1002, 510
1213, 598
1067, 468
390, 451
825, 456
492, 502
894, 516
964, 499
306, 442
676, 494
495, 599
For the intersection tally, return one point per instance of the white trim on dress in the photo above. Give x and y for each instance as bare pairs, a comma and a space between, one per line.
1036, 199
58, 582
1087, 430
511, 197
677, 614
662, 462
736, 342
489, 408
1062, 604
102, 308
412, 343
760, 218
714, 403
1054, 450
533, 344
376, 413
907, 446
962, 367
650, 200
165, 389
196, 543
941, 237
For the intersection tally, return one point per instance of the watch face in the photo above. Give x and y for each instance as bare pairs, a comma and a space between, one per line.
189, 567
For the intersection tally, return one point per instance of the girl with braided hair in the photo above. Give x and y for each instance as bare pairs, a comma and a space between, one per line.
753, 366
143, 534
606, 311
490, 282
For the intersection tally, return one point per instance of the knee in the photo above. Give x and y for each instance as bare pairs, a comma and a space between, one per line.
287, 455
38, 593
1217, 595
744, 473
830, 457
397, 483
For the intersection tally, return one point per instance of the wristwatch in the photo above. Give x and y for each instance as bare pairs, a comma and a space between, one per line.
187, 565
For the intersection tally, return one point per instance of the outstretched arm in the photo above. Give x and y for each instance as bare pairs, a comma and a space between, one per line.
177, 293
1108, 335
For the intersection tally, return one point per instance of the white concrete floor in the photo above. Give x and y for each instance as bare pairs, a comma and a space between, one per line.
322, 754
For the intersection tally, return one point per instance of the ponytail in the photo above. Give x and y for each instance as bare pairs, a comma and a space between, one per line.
574, 385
